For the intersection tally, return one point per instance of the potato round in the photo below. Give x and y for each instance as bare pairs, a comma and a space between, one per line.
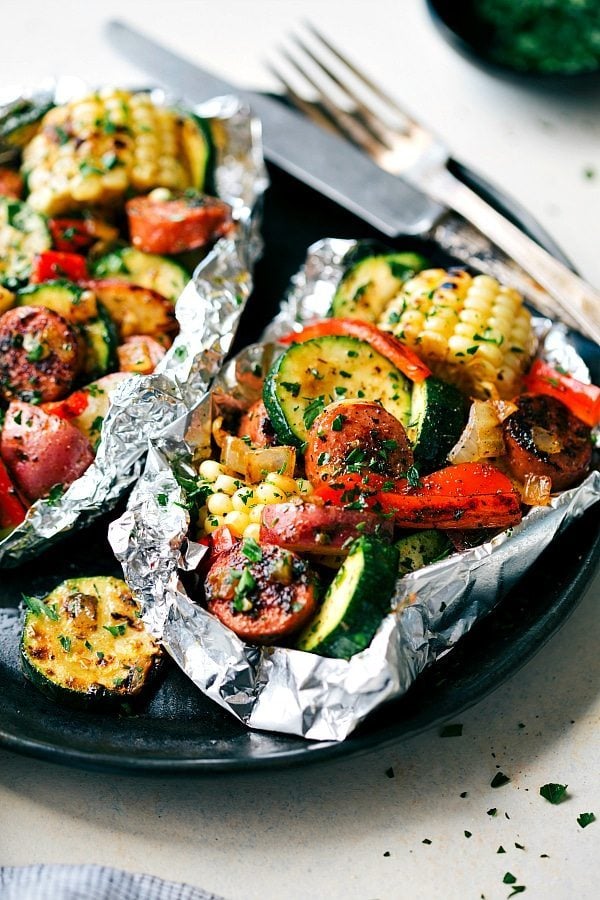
39, 354
356, 436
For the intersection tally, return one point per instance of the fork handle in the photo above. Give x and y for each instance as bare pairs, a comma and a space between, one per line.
579, 301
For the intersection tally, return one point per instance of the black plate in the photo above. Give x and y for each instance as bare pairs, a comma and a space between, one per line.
182, 731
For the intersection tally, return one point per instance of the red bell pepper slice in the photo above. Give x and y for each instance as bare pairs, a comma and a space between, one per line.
69, 408
583, 400
470, 495
12, 511
405, 359
54, 264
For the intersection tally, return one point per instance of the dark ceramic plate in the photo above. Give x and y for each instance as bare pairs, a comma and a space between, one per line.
179, 730
457, 24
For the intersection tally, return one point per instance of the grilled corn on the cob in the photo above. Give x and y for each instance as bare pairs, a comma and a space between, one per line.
90, 151
469, 330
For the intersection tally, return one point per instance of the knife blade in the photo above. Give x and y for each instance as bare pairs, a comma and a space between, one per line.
319, 159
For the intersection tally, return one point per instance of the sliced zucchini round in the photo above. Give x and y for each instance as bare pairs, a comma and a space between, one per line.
313, 374
198, 150
356, 602
149, 270
23, 234
101, 340
438, 416
69, 300
85, 644
421, 549
368, 286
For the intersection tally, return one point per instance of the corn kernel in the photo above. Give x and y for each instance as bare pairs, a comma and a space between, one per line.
255, 514
210, 469
212, 523
244, 499
304, 487
226, 484
266, 493
281, 482
219, 504
252, 531
237, 521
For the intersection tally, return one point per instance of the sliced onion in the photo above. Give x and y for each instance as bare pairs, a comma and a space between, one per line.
545, 441
255, 463
504, 408
482, 437
270, 459
536, 490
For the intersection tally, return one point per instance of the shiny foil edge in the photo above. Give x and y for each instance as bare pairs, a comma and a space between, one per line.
208, 312
290, 691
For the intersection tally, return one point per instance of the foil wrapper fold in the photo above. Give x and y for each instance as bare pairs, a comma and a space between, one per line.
281, 689
208, 312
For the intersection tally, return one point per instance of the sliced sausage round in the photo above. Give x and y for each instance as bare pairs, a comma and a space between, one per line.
264, 599
39, 354
356, 436
544, 438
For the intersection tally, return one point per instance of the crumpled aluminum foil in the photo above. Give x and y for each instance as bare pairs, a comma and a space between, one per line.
285, 690
143, 406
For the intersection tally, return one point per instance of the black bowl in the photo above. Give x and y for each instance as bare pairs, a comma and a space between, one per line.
472, 39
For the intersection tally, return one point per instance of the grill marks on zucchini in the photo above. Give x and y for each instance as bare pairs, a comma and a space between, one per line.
311, 375
85, 644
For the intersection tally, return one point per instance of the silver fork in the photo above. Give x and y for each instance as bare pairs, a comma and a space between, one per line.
348, 101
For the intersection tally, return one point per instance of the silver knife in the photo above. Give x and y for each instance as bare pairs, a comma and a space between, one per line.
336, 169
321, 160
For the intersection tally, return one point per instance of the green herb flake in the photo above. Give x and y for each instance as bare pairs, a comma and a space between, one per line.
390, 772
553, 793
88, 646
116, 630
162, 499
463, 794
499, 780
518, 889
54, 494
36, 353
452, 730
252, 550
338, 423
314, 409
585, 819
180, 353
492, 811
97, 424
425, 841
38, 607
519, 846
99, 654
65, 642
500, 849
292, 386
509, 878
18, 417
246, 584
468, 834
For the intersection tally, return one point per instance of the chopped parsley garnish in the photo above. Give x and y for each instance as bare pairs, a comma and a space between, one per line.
412, 476
65, 643
252, 550
453, 730
499, 780
463, 794
492, 811
425, 841
38, 607
468, 834
180, 353
54, 494
36, 353
162, 499
518, 889
323, 459
390, 774
18, 417
519, 846
292, 386
246, 584
116, 630
88, 646
338, 422
509, 878
553, 793
314, 409
500, 849
585, 819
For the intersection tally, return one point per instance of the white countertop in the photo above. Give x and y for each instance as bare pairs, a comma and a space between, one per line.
325, 831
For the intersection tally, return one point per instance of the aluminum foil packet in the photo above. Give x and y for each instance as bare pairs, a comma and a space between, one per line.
286, 690
208, 312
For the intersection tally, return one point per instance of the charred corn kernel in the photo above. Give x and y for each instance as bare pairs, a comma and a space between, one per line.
255, 513
304, 486
108, 143
266, 493
226, 484
469, 330
244, 499
237, 521
211, 523
282, 483
219, 504
252, 531
210, 469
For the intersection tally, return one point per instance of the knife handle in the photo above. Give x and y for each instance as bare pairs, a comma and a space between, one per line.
574, 299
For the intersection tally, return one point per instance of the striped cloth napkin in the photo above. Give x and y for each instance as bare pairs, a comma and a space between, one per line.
90, 883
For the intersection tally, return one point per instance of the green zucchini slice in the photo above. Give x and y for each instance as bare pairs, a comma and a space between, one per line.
20, 124
356, 601
309, 376
23, 234
198, 150
438, 416
85, 645
421, 549
369, 285
69, 300
100, 341
149, 270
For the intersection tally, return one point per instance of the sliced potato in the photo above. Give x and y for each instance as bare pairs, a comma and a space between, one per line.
135, 309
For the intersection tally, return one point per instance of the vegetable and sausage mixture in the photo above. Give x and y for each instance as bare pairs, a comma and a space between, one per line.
407, 425
108, 195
